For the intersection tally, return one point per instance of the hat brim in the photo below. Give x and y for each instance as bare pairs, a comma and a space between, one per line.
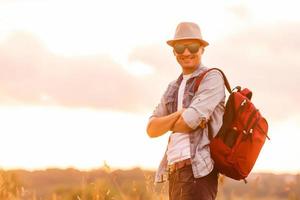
172, 42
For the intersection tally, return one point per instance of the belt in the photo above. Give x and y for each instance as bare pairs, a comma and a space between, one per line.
178, 165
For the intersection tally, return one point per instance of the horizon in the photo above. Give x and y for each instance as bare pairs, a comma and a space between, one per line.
111, 170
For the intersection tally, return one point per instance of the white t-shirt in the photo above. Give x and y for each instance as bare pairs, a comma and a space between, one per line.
179, 145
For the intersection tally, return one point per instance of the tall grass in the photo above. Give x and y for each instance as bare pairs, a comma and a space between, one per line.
122, 186
9, 187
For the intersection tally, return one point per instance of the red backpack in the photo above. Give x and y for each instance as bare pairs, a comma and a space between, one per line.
236, 146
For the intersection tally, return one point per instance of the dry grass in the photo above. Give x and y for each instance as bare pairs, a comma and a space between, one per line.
113, 188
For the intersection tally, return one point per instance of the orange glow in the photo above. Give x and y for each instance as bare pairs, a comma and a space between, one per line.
78, 80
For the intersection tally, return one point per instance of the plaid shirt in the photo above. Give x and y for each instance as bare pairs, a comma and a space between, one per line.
207, 103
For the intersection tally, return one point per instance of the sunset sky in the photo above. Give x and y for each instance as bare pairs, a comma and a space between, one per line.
79, 79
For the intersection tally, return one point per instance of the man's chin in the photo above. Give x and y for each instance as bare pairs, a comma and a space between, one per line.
189, 66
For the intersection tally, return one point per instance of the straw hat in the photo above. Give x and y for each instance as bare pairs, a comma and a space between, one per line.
187, 30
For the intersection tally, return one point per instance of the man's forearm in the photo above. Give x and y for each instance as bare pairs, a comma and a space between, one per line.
158, 126
182, 127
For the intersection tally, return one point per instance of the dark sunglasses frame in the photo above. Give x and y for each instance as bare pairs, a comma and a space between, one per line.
193, 48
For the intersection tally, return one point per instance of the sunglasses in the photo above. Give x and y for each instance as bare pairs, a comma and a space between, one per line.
193, 48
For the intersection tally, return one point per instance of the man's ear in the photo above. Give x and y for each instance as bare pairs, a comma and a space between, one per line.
202, 50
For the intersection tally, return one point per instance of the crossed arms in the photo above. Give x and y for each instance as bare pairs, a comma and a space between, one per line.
196, 115
157, 126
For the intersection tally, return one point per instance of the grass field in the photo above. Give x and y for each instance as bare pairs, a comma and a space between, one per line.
135, 184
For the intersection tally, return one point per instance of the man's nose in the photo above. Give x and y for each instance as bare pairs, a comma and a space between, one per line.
186, 52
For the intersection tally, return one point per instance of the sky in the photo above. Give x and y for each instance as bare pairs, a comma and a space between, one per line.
79, 79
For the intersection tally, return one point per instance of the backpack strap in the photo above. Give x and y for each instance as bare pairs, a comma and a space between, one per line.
200, 78
196, 86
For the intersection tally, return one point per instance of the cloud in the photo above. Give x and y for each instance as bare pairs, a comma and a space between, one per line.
240, 11
264, 59
158, 56
31, 74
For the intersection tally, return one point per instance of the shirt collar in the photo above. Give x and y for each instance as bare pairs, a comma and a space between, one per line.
201, 68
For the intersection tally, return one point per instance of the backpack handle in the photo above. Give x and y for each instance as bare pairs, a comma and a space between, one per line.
199, 79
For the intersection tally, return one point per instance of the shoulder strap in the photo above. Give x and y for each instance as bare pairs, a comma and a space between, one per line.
201, 76
197, 83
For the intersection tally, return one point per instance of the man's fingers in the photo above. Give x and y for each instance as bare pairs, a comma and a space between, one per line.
202, 124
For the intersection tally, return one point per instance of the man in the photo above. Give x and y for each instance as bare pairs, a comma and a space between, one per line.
187, 160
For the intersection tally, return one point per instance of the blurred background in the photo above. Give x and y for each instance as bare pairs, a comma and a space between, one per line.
79, 79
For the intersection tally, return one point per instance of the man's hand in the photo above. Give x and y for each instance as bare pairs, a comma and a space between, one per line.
158, 126
203, 124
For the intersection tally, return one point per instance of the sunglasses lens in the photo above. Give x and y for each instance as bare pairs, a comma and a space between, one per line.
179, 48
193, 48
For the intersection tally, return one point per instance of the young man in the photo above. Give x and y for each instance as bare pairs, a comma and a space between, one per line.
187, 160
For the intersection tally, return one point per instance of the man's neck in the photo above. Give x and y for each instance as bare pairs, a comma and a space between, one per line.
190, 71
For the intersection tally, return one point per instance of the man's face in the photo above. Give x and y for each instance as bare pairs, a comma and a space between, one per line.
188, 59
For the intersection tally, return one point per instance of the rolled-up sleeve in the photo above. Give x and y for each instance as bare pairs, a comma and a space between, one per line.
210, 93
160, 110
